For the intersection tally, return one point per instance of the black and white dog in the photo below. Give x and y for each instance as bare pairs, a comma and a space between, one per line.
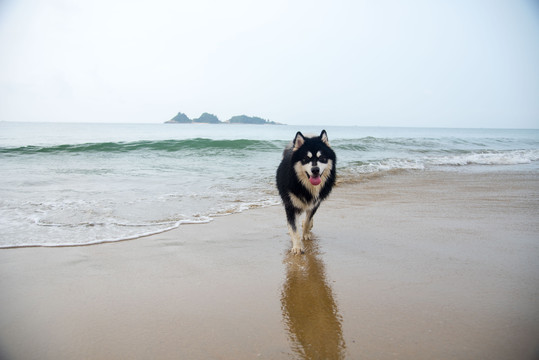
305, 177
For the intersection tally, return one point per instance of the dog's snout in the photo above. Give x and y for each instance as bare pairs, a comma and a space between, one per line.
315, 170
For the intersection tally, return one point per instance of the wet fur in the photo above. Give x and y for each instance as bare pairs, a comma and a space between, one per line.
295, 188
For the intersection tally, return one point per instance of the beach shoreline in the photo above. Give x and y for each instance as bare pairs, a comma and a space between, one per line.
411, 265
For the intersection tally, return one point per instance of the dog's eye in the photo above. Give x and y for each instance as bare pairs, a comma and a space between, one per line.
323, 159
306, 160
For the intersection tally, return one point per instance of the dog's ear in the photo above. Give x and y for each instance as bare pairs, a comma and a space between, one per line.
298, 140
324, 137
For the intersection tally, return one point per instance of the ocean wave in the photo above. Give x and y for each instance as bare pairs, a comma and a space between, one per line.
429, 145
145, 145
202, 220
244, 206
514, 157
60, 231
510, 157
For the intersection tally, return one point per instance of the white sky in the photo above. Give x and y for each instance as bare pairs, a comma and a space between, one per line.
459, 63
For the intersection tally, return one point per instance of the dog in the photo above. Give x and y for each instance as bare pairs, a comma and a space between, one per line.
305, 177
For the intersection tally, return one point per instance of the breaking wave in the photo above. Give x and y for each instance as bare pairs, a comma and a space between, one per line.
144, 145
512, 157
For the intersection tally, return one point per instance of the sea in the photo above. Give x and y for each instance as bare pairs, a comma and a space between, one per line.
69, 184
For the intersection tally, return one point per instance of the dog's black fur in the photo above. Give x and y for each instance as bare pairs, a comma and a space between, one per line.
306, 157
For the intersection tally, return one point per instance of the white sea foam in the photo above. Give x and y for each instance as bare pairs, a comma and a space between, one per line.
514, 157
202, 220
244, 206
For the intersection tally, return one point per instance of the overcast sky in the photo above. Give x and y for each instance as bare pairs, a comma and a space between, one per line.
459, 63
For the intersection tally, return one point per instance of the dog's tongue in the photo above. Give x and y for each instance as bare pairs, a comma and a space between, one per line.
315, 180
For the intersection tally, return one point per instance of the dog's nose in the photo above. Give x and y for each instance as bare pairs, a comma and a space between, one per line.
315, 170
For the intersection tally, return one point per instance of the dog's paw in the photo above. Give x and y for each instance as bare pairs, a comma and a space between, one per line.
297, 251
307, 236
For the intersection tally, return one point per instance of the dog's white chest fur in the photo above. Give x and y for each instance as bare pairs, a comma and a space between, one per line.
300, 204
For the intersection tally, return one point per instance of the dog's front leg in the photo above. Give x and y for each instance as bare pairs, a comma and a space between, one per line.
308, 223
307, 226
297, 246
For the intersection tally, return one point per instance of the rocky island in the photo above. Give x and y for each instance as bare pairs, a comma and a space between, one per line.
207, 118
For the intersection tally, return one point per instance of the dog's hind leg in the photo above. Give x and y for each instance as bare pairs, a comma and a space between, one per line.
297, 246
308, 223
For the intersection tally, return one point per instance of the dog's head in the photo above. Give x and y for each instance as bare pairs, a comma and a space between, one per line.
313, 158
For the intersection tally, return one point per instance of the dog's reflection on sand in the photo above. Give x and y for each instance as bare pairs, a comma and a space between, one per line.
309, 310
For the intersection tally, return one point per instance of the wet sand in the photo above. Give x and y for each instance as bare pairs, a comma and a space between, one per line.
421, 265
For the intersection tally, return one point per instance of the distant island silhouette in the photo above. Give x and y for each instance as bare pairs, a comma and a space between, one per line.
207, 118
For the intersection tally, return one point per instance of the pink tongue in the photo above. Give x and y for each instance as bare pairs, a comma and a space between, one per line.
315, 180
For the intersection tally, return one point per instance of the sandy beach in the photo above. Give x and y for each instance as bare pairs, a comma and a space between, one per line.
418, 265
